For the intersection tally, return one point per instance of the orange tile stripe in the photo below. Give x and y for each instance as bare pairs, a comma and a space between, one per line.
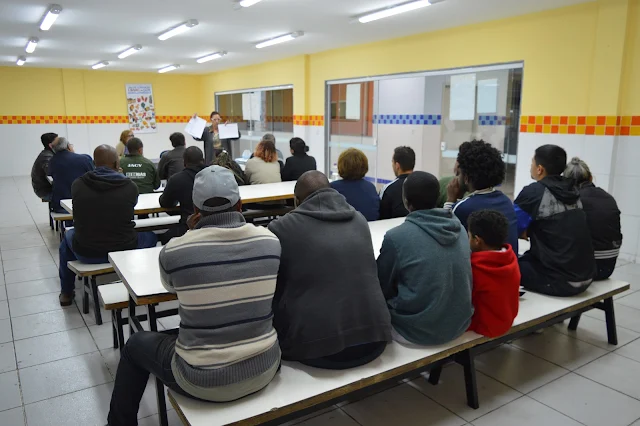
581, 125
308, 120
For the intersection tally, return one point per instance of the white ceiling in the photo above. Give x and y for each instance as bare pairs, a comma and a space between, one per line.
90, 31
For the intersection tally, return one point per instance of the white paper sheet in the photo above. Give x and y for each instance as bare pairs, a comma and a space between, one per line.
488, 96
353, 102
246, 107
228, 131
195, 127
463, 97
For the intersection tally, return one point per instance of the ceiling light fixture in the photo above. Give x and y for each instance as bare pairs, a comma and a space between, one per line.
248, 3
169, 68
130, 51
395, 10
211, 57
50, 17
100, 65
21, 60
281, 39
31, 45
178, 30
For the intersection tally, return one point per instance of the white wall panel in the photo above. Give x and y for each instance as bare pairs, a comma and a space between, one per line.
402, 96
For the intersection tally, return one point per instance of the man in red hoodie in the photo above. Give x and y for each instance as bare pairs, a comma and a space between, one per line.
496, 274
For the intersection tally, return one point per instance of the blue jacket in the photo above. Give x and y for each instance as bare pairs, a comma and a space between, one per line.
65, 167
424, 269
361, 195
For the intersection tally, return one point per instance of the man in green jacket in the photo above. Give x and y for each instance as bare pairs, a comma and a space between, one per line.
139, 169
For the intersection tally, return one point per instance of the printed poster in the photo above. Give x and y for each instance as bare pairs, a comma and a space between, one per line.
462, 105
141, 109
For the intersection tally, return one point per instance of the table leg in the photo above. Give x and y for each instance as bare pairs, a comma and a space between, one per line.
162, 404
132, 315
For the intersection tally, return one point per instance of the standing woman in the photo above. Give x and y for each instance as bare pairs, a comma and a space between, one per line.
213, 145
299, 162
603, 217
121, 148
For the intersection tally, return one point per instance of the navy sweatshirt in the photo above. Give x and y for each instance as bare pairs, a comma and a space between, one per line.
65, 167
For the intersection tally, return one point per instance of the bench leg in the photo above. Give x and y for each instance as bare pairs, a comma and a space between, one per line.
85, 295
162, 403
50, 221
114, 329
120, 326
434, 374
132, 315
573, 322
466, 359
610, 316
96, 301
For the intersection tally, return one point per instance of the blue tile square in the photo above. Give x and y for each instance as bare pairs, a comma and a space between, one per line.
421, 116
492, 123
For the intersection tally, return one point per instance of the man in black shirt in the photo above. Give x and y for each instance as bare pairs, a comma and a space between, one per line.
172, 162
40, 169
391, 203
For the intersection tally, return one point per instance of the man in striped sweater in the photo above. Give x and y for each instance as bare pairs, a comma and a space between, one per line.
224, 272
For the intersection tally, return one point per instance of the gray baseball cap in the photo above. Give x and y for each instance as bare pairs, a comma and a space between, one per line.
215, 182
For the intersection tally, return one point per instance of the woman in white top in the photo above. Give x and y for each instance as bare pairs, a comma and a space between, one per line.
264, 167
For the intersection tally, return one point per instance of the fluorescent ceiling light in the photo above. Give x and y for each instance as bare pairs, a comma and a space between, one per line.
21, 60
211, 57
281, 39
100, 65
178, 30
50, 17
248, 3
169, 68
395, 10
31, 45
130, 51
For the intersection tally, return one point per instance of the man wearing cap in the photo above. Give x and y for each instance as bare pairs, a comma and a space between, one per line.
224, 272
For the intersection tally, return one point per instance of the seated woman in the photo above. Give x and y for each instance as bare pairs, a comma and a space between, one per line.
603, 217
224, 160
264, 167
299, 162
361, 194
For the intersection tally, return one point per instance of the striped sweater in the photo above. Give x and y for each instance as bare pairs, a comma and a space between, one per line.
224, 274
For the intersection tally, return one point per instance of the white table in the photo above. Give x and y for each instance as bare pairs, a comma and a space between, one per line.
147, 203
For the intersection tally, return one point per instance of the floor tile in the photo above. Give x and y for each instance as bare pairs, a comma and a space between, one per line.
401, 405
594, 331
625, 316
588, 402
29, 235
14, 245
309, 416
112, 358
518, 369
13, 417
25, 253
59, 346
335, 417
3, 288
450, 392
172, 418
7, 357
616, 372
560, 349
5, 331
15, 264
63, 376
4, 309
46, 323
525, 412
36, 304
33, 288
10, 390
103, 334
18, 229
631, 350
31, 274
632, 300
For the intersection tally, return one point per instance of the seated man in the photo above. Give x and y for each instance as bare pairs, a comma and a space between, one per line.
140, 169
391, 205
549, 211
496, 275
65, 167
40, 170
172, 162
179, 189
224, 272
424, 269
103, 203
328, 309
481, 169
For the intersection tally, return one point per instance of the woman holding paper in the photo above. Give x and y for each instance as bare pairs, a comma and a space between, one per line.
213, 143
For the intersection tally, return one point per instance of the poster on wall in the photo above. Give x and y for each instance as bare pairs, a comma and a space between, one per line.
141, 109
462, 104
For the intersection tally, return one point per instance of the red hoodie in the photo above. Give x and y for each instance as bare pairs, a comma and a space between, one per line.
496, 291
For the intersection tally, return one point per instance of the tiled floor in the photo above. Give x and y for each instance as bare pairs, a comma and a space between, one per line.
57, 367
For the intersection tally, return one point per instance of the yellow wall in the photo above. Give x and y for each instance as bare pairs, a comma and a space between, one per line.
630, 88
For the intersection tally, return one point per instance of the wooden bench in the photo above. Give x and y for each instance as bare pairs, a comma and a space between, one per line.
89, 273
60, 219
115, 298
298, 390
268, 213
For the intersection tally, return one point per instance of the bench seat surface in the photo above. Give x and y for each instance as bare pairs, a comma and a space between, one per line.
157, 221
85, 269
114, 295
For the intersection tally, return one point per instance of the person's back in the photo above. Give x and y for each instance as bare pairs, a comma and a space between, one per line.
65, 167
297, 165
259, 171
361, 195
39, 172
391, 203
424, 269
172, 162
322, 311
140, 169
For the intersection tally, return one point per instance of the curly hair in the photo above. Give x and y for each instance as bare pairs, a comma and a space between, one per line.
481, 164
352, 164
490, 225
267, 151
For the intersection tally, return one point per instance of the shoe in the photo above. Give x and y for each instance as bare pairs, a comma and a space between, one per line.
66, 299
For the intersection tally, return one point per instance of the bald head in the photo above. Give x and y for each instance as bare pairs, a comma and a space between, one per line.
106, 156
309, 183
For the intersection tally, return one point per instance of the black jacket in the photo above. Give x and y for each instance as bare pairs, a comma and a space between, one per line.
178, 190
318, 312
391, 204
603, 217
559, 234
39, 173
296, 165
103, 205
171, 162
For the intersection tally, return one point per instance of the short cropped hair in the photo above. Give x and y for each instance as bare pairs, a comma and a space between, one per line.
490, 225
481, 164
214, 113
406, 157
552, 158
177, 139
134, 145
61, 144
352, 164
298, 146
193, 156
48, 139
421, 190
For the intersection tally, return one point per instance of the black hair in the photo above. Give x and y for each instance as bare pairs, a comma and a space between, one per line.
406, 157
298, 146
214, 113
490, 225
481, 164
216, 202
193, 155
177, 139
134, 145
47, 138
552, 158
421, 190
